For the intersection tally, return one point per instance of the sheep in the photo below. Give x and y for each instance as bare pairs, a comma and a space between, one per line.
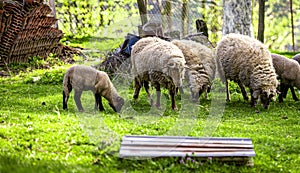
83, 78
159, 62
247, 62
200, 62
288, 71
297, 57
285, 89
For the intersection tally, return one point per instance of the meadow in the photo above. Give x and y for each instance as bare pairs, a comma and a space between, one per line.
37, 135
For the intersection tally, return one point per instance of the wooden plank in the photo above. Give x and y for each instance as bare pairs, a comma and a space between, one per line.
153, 143
182, 137
141, 153
151, 148
189, 140
179, 146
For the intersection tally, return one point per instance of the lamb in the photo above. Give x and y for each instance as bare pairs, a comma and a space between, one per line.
247, 62
159, 62
83, 78
288, 71
200, 62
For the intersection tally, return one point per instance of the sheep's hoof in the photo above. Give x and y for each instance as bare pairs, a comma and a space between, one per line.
175, 108
151, 103
158, 106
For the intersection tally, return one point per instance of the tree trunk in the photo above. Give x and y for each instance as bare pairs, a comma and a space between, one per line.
184, 17
52, 5
165, 11
168, 13
237, 17
261, 21
292, 22
142, 5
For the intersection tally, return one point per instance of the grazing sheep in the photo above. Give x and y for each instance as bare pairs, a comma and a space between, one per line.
288, 71
201, 66
83, 78
159, 62
247, 62
297, 57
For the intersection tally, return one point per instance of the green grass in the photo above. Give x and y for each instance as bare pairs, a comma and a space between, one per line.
36, 135
287, 54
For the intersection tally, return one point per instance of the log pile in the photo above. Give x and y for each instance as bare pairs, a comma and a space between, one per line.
26, 30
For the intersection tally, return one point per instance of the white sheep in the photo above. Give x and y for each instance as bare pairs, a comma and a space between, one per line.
247, 62
83, 78
288, 71
159, 62
201, 66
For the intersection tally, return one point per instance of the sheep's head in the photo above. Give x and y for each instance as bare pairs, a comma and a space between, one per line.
175, 69
198, 83
266, 95
117, 104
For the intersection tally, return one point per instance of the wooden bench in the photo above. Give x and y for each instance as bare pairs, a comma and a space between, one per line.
239, 150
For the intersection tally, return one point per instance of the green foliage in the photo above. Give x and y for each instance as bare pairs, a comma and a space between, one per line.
212, 14
109, 18
278, 31
88, 18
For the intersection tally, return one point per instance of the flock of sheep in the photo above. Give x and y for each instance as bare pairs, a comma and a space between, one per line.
166, 64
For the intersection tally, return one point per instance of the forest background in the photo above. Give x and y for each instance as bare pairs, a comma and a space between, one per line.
99, 18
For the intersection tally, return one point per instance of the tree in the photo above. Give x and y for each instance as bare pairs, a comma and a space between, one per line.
52, 5
142, 5
237, 17
184, 17
261, 21
292, 23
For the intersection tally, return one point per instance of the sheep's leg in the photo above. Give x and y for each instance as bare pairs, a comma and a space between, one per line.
65, 100
172, 94
253, 100
227, 91
283, 89
181, 90
158, 94
98, 102
244, 93
293, 94
66, 96
137, 88
146, 85
77, 100
206, 92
